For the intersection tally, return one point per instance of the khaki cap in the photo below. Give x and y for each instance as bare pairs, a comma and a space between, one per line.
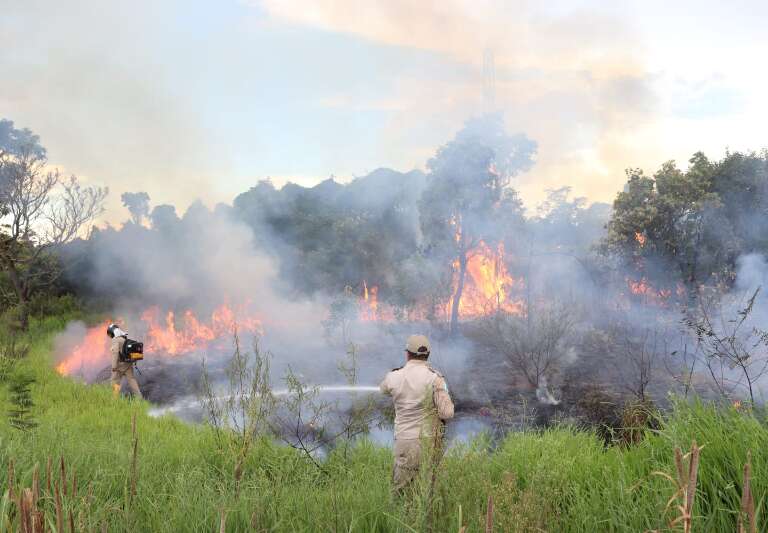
418, 344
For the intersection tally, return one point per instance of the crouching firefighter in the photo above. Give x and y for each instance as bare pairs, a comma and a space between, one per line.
422, 405
122, 350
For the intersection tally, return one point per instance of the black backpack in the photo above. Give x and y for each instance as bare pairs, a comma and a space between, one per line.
132, 351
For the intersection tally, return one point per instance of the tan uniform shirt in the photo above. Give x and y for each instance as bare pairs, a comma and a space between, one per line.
409, 387
114, 349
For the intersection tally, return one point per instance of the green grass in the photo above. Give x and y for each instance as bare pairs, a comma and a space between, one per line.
555, 480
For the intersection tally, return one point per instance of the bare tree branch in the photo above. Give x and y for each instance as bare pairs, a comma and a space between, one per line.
735, 354
534, 343
39, 211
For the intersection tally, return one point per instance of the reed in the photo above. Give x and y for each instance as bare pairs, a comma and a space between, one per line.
134, 472
489, 515
685, 479
31, 504
59, 509
11, 480
223, 521
48, 477
62, 476
747, 513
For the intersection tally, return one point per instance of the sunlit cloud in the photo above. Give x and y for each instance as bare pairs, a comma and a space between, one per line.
202, 100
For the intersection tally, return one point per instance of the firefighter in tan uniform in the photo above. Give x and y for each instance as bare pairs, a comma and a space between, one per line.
121, 369
415, 388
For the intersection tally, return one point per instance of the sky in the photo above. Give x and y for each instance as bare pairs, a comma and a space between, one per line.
194, 99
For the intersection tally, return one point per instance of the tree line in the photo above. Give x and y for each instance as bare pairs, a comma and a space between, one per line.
407, 233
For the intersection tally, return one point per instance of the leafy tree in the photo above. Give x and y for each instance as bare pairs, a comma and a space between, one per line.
658, 221
42, 210
342, 312
13, 143
137, 204
695, 222
164, 219
741, 183
567, 226
334, 236
468, 180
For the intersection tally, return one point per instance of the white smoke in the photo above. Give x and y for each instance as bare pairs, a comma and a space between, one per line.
751, 272
543, 395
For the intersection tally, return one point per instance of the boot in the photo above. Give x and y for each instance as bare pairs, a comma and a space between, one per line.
115, 390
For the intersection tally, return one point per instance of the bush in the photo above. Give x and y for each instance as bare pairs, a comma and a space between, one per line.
20, 414
43, 305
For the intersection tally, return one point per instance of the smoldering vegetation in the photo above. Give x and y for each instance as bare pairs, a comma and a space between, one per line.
565, 310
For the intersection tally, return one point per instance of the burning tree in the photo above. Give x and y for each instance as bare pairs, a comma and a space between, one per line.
467, 193
691, 225
41, 210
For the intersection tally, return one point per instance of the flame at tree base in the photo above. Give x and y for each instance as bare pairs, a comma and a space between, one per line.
488, 288
649, 295
487, 285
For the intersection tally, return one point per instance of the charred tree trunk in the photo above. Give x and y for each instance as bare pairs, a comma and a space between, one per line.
454, 326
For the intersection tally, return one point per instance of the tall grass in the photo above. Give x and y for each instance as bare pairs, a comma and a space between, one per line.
144, 474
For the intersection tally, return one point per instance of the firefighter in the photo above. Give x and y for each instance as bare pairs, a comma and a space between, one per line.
415, 389
121, 369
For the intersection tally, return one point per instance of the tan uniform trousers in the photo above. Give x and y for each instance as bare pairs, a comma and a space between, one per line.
408, 459
407, 462
125, 370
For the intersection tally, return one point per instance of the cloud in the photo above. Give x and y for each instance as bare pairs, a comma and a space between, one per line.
601, 86
194, 100
348, 102
572, 79
87, 77
525, 31
705, 98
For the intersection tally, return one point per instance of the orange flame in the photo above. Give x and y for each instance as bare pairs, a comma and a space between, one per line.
649, 293
162, 335
370, 310
488, 287
488, 284
370, 303
90, 350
